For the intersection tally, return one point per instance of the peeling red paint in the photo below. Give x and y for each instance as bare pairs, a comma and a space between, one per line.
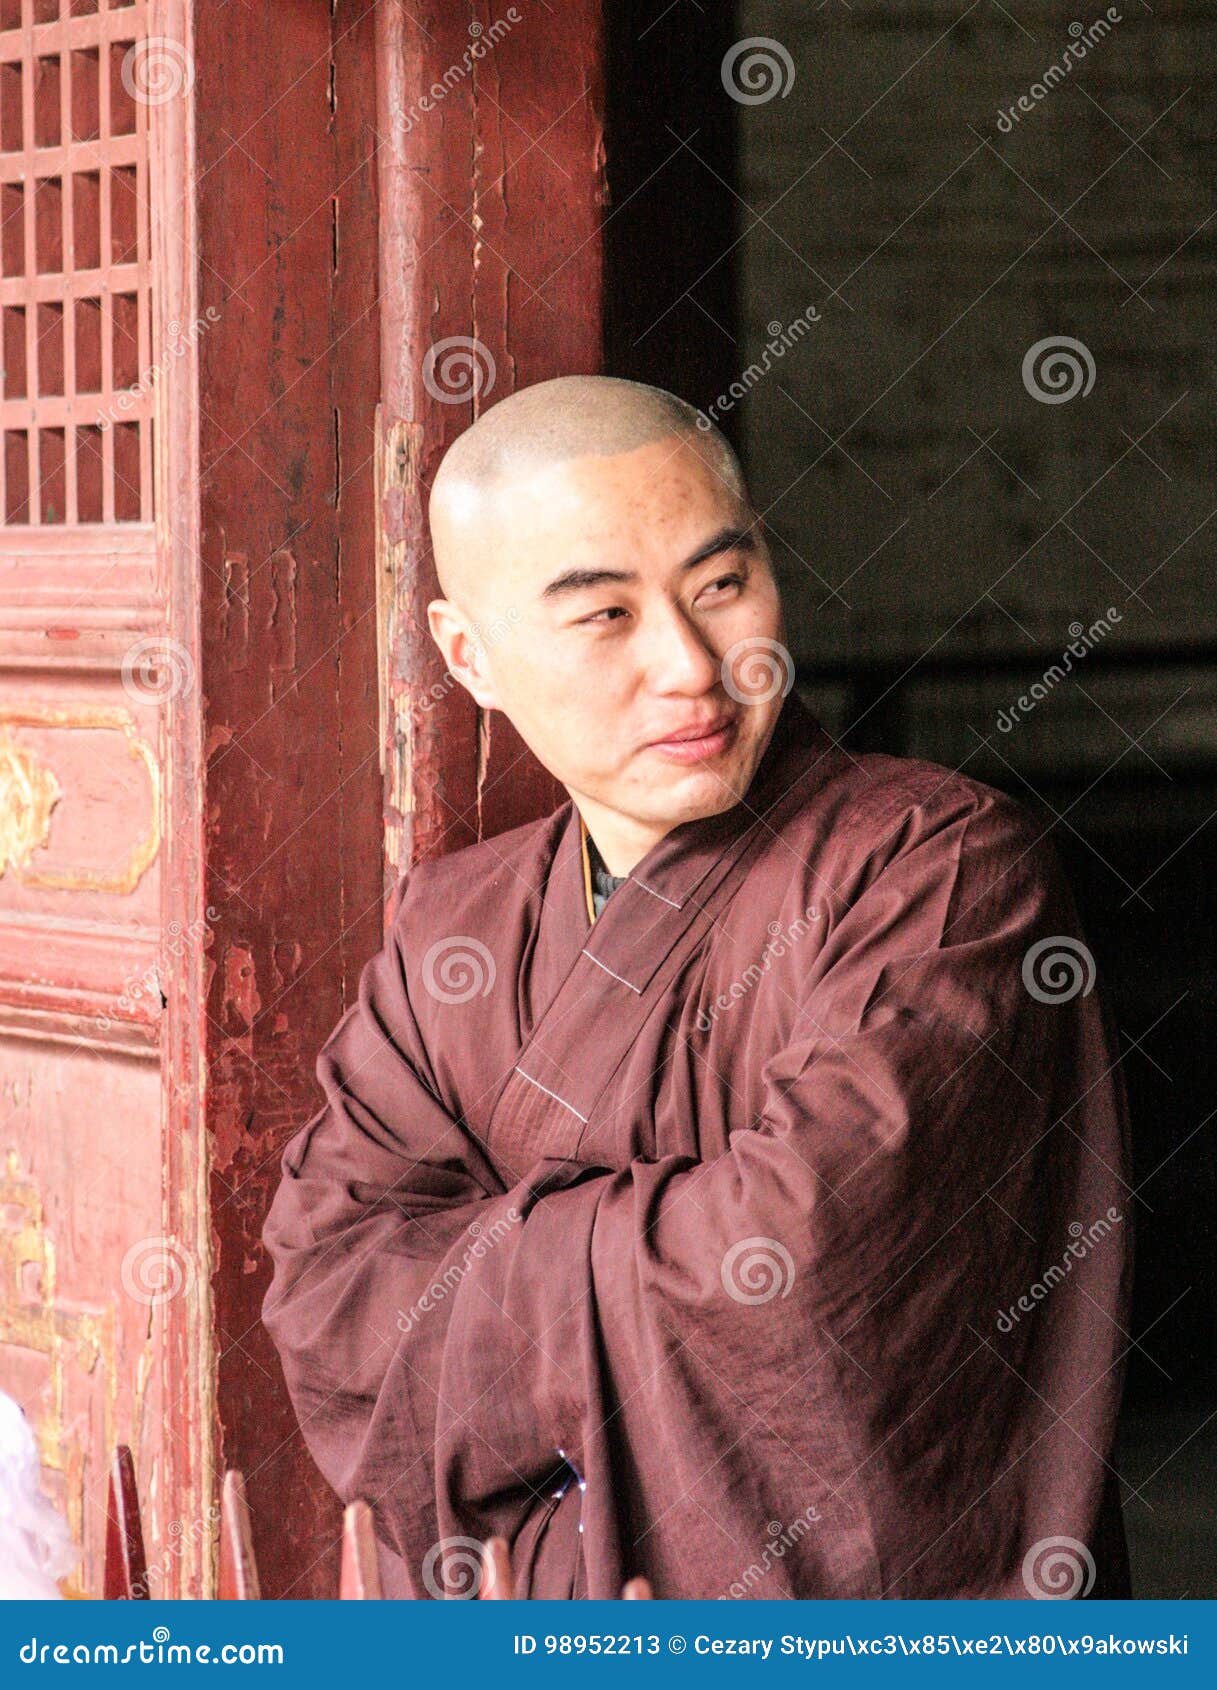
282, 569
394, 515
217, 735
240, 999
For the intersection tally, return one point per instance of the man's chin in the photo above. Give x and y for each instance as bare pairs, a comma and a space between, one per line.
693, 794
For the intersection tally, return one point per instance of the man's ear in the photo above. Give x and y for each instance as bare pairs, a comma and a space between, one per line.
463, 653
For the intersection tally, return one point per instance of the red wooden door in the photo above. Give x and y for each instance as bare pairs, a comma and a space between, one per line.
100, 1273
223, 273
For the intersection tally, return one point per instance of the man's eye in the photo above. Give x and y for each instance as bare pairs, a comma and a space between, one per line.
613, 611
727, 580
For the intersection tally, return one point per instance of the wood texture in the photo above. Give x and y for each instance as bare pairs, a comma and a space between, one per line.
125, 1576
289, 791
238, 1565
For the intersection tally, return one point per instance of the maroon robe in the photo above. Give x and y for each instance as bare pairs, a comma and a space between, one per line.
785, 1206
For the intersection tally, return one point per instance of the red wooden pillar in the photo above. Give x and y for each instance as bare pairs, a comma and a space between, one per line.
492, 189
287, 796
467, 139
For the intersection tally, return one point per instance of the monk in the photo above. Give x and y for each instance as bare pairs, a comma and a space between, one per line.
720, 1181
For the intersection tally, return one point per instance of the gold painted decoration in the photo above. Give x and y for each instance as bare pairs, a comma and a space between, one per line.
28, 794
32, 1317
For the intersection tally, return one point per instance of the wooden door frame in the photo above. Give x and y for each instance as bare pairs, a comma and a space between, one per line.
327, 751
275, 804
188, 1356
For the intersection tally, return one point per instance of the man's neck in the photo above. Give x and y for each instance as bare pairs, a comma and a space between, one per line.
620, 842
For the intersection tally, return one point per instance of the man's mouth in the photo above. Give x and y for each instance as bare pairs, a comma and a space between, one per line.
695, 743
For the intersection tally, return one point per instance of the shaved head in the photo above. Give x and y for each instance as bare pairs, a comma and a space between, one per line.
540, 426
605, 575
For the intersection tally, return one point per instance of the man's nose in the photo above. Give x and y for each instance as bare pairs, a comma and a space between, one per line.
678, 658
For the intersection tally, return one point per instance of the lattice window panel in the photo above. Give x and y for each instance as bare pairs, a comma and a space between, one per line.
75, 269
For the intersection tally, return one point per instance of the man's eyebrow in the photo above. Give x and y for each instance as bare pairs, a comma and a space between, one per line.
730, 539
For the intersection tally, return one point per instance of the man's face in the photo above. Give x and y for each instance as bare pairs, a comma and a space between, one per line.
596, 672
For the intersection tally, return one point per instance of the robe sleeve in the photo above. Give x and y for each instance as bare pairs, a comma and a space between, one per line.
846, 1246
386, 1212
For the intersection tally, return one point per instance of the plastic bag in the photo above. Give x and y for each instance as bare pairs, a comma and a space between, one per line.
36, 1547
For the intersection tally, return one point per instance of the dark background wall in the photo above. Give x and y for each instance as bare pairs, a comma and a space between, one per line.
946, 522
